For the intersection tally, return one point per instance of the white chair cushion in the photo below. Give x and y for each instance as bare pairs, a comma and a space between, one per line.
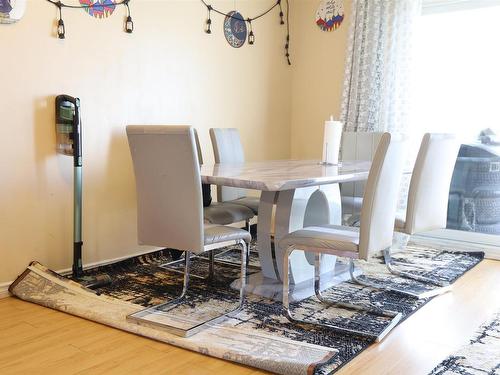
325, 237
250, 202
217, 234
225, 213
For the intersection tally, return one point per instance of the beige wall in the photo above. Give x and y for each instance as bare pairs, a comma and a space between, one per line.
168, 72
318, 74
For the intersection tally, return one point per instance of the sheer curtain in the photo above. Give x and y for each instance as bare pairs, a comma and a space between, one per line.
376, 86
377, 81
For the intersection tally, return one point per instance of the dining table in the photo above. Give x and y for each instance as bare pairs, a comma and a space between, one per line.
293, 194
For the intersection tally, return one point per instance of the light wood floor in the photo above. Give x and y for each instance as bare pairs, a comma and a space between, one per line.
37, 340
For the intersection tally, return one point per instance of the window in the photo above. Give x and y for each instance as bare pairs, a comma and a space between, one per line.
457, 90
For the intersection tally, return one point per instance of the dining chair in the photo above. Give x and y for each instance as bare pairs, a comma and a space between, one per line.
227, 148
223, 213
170, 209
356, 146
427, 206
374, 234
214, 213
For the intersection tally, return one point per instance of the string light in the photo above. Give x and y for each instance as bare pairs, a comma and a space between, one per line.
282, 22
208, 29
251, 35
61, 30
129, 24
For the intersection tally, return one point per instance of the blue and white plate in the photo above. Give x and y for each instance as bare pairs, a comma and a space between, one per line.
235, 29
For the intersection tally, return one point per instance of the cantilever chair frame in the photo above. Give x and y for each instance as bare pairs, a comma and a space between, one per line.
375, 234
395, 316
170, 305
166, 155
429, 144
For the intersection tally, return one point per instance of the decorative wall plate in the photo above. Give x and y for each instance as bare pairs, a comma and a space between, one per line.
100, 8
330, 14
11, 10
235, 29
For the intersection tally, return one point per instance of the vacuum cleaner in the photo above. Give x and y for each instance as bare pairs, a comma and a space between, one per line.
69, 142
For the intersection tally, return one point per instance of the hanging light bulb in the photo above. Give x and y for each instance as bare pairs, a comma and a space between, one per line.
251, 37
129, 24
208, 29
61, 30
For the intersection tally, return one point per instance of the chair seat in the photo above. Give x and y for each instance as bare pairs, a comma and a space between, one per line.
325, 237
226, 213
351, 204
218, 233
250, 202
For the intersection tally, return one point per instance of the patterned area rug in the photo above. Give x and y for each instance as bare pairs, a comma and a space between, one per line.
296, 349
480, 357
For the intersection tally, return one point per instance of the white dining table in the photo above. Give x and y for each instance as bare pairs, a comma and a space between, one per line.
294, 194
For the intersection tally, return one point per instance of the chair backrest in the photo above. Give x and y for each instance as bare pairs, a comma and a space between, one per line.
198, 147
227, 147
167, 175
358, 146
381, 196
427, 206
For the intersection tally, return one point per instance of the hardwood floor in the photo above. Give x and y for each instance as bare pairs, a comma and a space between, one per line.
37, 340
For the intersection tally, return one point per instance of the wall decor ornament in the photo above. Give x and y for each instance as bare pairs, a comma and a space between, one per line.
95, 8
330, 14
236, 28
99, 8
11, 11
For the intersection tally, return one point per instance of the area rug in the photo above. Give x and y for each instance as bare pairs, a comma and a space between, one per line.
259, 335
480, 357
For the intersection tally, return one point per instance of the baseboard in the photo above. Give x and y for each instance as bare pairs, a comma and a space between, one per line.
4, 290
4, 287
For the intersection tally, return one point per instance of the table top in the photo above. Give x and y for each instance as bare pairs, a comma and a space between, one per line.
277, 175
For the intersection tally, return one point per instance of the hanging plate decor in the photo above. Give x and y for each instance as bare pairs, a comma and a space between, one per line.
11, 10
330, 14
99, 8
235, 29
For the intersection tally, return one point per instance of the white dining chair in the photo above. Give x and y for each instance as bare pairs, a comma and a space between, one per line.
427, 206
170, 209
223, 213
356, 146
227, 148
375, 233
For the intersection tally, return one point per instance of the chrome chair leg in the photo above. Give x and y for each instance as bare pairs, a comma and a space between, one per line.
243, 273
396, 317
319, 295
211, 265
141, 316
426, 294
185, 285
390, 266
169, 267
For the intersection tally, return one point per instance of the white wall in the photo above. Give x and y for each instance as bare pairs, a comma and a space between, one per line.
167, 72
318, 75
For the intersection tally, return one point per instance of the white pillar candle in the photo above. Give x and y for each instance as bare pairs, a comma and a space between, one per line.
331, 141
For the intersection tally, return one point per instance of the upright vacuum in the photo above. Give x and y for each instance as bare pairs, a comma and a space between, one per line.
69, 142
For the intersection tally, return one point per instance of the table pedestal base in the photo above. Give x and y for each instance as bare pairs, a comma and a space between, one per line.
266, 287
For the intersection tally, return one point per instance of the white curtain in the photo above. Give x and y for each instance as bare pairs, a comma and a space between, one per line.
376, 86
